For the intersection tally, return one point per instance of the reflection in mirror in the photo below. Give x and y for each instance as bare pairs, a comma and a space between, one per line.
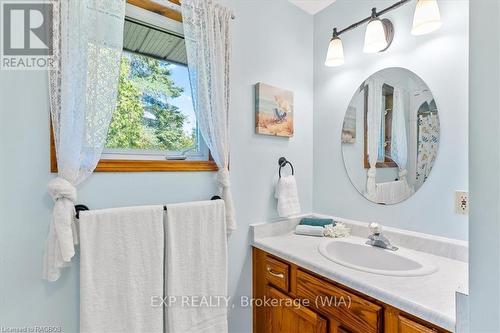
390, 136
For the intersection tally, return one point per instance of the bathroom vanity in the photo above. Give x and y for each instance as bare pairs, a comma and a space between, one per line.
302, 291
321, 305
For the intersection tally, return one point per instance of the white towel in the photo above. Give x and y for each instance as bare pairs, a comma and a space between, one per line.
196, 267
310, 230
121, 270
288, 196
392, 192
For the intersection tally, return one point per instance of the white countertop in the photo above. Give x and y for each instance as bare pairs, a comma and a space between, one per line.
431, 297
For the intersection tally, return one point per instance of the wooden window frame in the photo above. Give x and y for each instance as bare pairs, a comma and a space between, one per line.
117, 165
157, 8
388, 162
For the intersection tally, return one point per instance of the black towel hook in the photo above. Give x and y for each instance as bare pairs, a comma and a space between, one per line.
283, 162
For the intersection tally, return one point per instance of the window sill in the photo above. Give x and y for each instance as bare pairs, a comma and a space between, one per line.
389, 163
149, 166
115, 165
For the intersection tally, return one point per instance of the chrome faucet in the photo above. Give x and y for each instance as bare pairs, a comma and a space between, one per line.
377, 239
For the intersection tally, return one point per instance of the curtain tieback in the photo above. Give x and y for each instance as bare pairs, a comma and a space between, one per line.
64, 195
60, 188
372, 172
223, 178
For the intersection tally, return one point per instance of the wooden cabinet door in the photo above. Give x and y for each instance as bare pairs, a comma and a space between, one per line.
409, 326
336, 327
341, 329
354, 313
285, 316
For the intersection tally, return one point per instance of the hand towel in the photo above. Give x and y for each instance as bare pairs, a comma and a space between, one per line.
309, 230
121, 270
288, 196
317, 222
196, 267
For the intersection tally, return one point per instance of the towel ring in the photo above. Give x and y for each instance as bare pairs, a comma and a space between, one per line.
282, 163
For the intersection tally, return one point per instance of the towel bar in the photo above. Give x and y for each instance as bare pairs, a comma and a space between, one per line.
80, 208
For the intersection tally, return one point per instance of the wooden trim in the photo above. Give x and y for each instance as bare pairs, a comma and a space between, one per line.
148, 166
391, 319
389, 163
154, 166
258, 288
365, 128
53, 154
138, 165
144, 165
157, 8
409, 326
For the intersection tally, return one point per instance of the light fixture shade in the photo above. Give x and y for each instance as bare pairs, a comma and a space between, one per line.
426, 18
335, 55
375, 37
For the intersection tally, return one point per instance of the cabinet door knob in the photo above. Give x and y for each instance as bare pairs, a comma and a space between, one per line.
278, 275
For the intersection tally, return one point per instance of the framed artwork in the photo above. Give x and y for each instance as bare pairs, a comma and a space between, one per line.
273, 111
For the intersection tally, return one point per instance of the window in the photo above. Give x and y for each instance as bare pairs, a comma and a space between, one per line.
384, 159
154, 127
154, 117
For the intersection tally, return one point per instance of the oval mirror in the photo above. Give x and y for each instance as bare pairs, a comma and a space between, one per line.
390, 136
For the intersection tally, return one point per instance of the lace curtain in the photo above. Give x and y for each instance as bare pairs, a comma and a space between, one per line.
207, 37
83, 87
399, 142
374, 117
428, 141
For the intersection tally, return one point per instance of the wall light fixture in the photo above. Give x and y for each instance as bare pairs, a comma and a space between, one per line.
380, 32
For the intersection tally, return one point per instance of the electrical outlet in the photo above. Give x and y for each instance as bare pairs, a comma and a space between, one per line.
462, 202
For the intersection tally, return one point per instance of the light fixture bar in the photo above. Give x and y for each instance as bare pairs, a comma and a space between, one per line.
377, 14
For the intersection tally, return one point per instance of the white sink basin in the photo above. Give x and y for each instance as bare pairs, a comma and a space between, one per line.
352, 252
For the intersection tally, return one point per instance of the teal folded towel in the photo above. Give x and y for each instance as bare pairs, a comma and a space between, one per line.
317, 222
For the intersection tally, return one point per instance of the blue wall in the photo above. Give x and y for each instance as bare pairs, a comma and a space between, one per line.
441, 60
275, 43
272, 43
484, 163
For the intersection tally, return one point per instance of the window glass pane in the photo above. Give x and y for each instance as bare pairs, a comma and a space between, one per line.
154, 110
